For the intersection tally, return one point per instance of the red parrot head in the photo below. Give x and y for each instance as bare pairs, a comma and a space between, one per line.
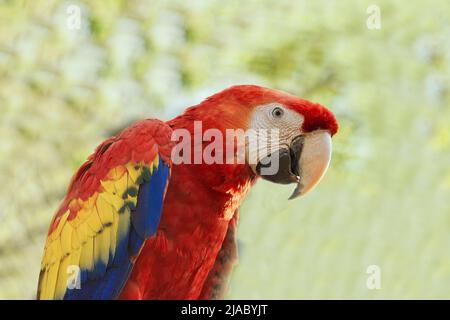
290, 140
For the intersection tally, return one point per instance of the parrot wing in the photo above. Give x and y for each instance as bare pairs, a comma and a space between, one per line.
113, 205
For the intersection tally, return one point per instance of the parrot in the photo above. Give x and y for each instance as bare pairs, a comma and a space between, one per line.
142, 220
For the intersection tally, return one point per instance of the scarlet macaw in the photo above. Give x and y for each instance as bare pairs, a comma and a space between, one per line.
135, 225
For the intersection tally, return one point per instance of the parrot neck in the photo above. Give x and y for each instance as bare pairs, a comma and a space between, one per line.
226, 177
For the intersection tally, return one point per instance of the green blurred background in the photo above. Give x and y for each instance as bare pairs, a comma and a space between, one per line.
385, 199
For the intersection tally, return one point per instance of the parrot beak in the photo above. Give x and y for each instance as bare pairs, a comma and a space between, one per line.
304, 163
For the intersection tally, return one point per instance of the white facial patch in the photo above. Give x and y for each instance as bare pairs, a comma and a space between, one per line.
274, 126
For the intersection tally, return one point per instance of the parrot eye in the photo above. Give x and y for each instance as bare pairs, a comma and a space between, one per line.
277, 112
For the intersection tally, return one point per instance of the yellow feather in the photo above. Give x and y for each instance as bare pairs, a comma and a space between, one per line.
106, 214
74, 260
87, 252
52, 277
117, 202
82, 234
83, 214
121, 184
42, 284
45, 256
150, 168
66, 239
76, 243
55, 234
133, 172
74, 257
106, 242
156, 162
113, 233
108, 186
130, 182
61, 284
75, 222
94, 222
124, 223
102, 205
101, 247
114, 200
55, 252
90, 202
53, 266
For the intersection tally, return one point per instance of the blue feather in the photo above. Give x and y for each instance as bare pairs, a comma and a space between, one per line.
150, 201
135, 243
